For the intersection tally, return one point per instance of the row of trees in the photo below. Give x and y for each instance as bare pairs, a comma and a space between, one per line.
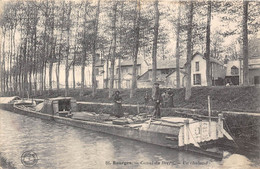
37, 34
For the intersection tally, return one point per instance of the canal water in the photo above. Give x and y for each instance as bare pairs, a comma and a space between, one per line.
60, 146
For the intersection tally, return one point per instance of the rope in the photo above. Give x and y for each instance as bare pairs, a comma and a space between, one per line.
230, 133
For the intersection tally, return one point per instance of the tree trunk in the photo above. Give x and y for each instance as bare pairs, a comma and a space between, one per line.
67, 68
3, 63
177, 49
155, 39
136, 46
60, 49
208, 65
83, 59
94, 81
120, 41
10, 56
50, 75
189, 54
111, 85
44, 75
245, 44
44, 54
73, 74
75, 52
53, 45
107, 62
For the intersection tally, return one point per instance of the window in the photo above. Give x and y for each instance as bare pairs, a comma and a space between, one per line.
257, 80
165, 71
234, 70
97, 71
196, 79
197, 66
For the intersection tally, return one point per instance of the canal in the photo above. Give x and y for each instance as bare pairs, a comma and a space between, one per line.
61, 146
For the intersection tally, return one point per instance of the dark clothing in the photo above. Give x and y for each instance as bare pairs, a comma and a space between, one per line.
157, 111
146, 99
165, 99
118, 106
157, 99
170, 99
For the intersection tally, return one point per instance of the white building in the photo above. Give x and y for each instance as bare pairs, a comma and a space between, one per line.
198, 71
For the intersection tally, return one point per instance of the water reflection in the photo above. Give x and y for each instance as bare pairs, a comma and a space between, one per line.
61, 146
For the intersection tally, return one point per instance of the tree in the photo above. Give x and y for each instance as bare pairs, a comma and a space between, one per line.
67, 66
53, 44
136, 46
3, 72
112, 59
208, 65
94, 82
155, 38
75, 49
60, 26
177, 49
121, 46
245, 43
189, 52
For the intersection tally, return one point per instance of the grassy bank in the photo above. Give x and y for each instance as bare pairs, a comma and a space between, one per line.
233, 98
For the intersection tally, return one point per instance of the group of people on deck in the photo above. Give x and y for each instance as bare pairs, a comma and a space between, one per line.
165, 99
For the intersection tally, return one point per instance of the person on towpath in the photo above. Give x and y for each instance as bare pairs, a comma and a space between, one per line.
118, 105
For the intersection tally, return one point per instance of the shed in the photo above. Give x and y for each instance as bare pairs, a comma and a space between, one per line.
54, 105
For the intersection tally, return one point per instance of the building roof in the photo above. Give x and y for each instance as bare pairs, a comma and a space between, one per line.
181, 71
129, 62
168, 64
214, 60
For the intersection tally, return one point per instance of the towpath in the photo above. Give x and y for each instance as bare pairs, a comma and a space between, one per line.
257, 114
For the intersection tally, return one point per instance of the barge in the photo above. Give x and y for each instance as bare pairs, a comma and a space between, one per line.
172, 132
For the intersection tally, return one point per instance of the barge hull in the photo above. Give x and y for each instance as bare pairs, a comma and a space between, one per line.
160, 139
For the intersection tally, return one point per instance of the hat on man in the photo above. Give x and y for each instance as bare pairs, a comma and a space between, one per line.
156, 84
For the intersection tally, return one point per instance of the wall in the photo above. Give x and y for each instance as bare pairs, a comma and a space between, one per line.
252, 74
202, 69
229, 66
144, 67
218, 71
171, 80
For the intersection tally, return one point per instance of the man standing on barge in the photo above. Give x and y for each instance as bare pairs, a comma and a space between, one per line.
156, 96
